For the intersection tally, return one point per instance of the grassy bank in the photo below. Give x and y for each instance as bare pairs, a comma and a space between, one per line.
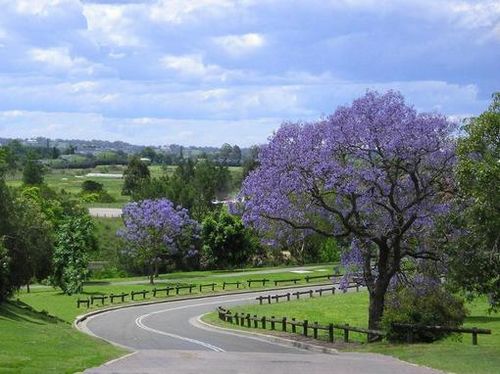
453, 354
32, 342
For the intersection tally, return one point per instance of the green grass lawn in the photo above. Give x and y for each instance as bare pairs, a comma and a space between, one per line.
453, 354
32, 342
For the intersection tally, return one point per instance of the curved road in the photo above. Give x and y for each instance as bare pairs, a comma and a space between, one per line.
166, 338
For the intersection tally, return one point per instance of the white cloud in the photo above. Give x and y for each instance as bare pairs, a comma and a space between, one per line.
237, 45
58, 58
179, 11
113, 24
43, 8
59, 61
194, 67
84, 86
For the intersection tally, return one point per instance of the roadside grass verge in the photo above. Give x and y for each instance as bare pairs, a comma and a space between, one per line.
453, 354
33, 342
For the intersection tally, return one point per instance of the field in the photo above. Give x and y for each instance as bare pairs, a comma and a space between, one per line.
453, 354
70, 180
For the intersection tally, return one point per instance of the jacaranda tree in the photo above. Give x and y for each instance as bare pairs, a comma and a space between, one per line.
155, 230
376, 172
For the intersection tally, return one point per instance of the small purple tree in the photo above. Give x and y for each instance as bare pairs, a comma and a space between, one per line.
376, 172
155, 229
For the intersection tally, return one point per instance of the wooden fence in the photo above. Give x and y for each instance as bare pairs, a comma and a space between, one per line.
412, 329
286, 324
297, 294
155, 292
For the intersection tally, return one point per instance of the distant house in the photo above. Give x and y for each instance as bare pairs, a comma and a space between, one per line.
145, 160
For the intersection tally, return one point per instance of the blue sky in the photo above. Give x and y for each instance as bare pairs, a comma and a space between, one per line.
205, 72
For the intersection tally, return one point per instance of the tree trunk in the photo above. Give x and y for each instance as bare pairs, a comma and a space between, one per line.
151, 274
157, 268
28, 288
375, 312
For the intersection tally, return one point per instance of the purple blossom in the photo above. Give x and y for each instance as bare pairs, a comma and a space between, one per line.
375, 171
155, 228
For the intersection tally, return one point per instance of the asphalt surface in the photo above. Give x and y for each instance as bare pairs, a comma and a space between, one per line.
105, 212
166, 338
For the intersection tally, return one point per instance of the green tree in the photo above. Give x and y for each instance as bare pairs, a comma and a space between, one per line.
136, 174
5, 288
193, 186
30, 243
251, 162
74, 240
226, 242
33, 171
476, 255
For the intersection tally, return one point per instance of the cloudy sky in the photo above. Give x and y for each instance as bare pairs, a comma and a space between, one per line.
205, 72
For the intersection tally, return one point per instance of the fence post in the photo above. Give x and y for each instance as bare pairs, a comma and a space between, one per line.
288, 296
310, 293
330, 332
346, 334
306, 323
260, 300
263, 320
237, 319
298, 295
272, 322
248, 320
474, 336
242, 319
283, 321
269, 299
333, 290
315, 330
409, 335
294, 327
255, 321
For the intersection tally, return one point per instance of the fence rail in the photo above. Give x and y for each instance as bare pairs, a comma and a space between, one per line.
245, 319
297, 294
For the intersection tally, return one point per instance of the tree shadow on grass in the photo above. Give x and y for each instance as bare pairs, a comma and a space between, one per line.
19, 311
89, 293
482, 319
96, 283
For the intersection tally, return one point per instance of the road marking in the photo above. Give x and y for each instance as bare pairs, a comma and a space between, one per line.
139, 322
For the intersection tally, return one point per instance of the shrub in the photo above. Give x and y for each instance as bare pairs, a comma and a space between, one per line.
425, 302
329, 251
90, 186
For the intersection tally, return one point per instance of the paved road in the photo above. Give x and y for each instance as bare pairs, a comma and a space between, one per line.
105, 212
166, 339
